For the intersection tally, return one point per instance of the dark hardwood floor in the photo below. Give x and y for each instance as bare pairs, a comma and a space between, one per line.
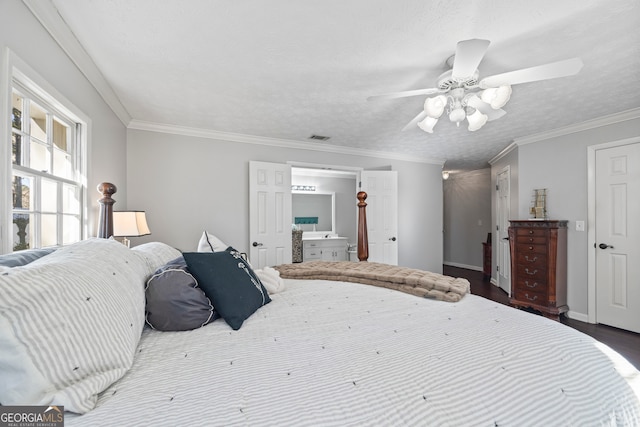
624, 342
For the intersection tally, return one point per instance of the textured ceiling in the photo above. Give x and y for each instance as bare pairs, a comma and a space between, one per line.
288, 69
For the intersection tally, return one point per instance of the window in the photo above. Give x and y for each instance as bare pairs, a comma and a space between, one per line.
46, 171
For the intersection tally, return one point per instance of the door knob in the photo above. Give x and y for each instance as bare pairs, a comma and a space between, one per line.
505, 238
604, 246
256, 244
393, 239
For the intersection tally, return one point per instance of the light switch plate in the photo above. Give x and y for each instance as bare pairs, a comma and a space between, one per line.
579, 225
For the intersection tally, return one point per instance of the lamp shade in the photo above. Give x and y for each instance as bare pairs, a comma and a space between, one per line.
476, 120
497, 97
427, 124
434, 107
130, 224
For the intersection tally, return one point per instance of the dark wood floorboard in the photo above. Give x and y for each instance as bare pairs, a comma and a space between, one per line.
624, 342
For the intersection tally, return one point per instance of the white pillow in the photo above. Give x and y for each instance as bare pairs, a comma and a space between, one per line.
70, 323
157, 254
210, 243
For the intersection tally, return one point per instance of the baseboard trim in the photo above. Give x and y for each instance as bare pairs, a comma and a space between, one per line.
468, 267
578, 316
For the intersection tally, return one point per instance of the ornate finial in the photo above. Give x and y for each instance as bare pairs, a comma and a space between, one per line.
107, 189
105, 219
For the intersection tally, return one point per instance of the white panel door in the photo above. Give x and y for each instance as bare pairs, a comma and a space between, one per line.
618, 236
503, 208
269, 214
382, 215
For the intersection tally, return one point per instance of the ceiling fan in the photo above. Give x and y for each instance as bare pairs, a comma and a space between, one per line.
465, 97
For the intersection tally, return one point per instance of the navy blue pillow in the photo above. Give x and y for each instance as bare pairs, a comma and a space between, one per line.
228, 280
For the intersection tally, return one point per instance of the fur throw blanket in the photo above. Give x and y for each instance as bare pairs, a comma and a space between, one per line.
413, 281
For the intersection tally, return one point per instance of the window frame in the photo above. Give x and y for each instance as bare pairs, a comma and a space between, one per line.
28, 83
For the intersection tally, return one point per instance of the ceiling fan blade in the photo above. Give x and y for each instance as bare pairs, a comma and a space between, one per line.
415, 120
568, 67
469, 53
477, 103
404, 94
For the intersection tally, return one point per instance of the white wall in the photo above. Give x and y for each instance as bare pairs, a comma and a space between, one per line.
467, 217
187, 184
25, 37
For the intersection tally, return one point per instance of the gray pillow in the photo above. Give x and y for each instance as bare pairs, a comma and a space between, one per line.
174, 300
20, 258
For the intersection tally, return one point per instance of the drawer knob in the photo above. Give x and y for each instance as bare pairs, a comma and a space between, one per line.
535, 284
535, 297
530, 231
530, 248
531, 273
534, 259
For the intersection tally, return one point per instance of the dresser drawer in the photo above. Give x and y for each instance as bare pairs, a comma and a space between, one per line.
536, 240
532, 259
530, 248
531, 272
531, 285
532, 232
532, 297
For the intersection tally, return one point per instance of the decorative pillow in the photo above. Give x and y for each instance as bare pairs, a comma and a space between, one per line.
174, 301
70, 323
229, 282
20, 258
157, 254
210, 243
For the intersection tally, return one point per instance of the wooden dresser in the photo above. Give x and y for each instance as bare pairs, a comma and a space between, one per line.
539, 265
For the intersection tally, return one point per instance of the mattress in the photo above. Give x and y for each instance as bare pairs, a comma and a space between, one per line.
347, 354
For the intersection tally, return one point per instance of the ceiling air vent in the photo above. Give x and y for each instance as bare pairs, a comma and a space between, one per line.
319, 137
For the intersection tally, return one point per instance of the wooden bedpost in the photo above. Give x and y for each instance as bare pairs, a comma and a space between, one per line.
363, 240
105, 220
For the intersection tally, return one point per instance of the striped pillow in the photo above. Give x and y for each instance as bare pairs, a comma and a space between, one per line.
70, 323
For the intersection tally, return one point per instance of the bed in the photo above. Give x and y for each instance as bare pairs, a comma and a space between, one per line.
316, 352
347, 354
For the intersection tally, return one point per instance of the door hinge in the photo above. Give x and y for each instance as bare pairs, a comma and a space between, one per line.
497, 268
497, 187
497, 228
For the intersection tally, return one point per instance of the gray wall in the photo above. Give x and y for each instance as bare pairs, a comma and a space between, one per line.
188, 184
23, 34
467, 217
560, 165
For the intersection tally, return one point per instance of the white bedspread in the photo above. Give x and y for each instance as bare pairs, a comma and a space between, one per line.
346, 354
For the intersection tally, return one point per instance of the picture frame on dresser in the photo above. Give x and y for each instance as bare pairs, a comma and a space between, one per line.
539, 266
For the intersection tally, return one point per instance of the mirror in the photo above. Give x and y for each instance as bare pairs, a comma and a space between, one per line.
314, 211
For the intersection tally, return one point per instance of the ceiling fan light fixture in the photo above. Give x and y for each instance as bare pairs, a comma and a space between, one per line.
497, 97
457, 115
434, 107
427, 124
476, 120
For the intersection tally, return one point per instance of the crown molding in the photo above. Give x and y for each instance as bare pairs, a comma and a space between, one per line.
275, 142
503, 153
47, 14
580, 127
